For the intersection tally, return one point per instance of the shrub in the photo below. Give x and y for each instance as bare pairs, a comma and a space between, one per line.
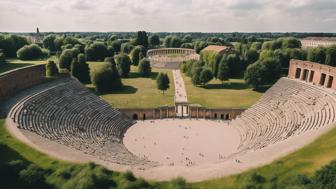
123, 64
144, 68
162, 82
80, 69
65, 58
51, 69
106, 79
206, 76
31, 52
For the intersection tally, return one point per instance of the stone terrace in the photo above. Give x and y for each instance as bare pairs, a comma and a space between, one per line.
70, 114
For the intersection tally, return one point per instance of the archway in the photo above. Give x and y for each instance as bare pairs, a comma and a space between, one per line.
135, 116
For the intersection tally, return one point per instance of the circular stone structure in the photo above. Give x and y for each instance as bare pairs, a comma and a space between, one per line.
171, 57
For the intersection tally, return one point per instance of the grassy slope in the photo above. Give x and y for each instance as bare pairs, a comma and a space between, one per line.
16, 63
139, 92
233, 94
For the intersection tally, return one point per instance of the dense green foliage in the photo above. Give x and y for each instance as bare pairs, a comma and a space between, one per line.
141, 39
223, 71
96, 51
172, 41
51, 69
106, 79
154, 41
263, 72
66, 58
2, 58
31, 52
137, 54
11, 43
123, 64
80, 69
144, 68
162, 81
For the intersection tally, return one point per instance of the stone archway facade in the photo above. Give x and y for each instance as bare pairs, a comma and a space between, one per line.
314, 73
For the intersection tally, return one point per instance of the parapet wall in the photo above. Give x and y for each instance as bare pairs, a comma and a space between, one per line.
314, 73
13, 81
169, 112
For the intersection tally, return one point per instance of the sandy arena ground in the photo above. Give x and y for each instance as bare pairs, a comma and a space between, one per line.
182, 142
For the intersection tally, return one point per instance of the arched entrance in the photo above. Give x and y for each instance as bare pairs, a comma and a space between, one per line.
135, 116
144, 117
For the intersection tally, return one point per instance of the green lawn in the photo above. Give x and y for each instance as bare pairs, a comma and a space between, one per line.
16, 63
233, 94
139, 92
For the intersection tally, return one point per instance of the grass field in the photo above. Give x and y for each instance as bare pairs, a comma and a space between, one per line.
233, 94
139, 92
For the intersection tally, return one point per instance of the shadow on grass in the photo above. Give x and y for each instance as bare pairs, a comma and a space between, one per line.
8, 154
263, 89
134, 75
234, 86
125, 90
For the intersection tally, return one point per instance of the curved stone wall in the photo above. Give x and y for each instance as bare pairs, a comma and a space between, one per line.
13, 81
171, 57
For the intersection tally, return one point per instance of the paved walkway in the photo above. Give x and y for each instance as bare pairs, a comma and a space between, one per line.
180, 91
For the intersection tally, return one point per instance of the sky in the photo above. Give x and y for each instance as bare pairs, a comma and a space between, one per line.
168, 15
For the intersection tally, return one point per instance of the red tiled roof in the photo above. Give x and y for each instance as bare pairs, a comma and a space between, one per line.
216, 48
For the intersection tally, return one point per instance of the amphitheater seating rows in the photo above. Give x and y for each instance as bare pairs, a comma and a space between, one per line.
70, 114
288, 108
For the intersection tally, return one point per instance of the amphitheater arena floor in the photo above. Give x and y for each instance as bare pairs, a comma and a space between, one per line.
195, 136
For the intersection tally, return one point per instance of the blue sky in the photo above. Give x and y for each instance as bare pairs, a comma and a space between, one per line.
168, 15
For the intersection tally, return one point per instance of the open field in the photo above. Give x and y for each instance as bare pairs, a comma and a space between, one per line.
233, 94
139, 92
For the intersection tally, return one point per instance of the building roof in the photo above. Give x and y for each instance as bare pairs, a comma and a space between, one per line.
216, 48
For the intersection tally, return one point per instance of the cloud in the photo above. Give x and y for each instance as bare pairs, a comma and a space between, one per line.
168, 15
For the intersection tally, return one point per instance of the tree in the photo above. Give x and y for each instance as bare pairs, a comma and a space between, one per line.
51, 69
206, 76
32, 177
154, 41
96, 51
106, 79
316, 55
123, 64
141, 39
49, 42
325, 177
235, 64
291, 42
253, 74
10, 44
196, 75
331, 56
126, 48
144, 68
251, 56
31, 52
137, 54
223, 71
162, 82
263, 72
80, 69
2, 58
172, 41
65, 59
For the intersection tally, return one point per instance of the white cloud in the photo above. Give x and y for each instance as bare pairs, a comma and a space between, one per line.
168, 15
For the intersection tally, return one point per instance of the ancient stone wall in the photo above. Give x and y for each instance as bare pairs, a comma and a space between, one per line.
314, 73
194, 112
13, 81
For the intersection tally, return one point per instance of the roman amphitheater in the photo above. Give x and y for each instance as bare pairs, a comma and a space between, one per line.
64, 119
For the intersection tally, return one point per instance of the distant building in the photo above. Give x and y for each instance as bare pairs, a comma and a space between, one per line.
218, 49
37, 37
310, 42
